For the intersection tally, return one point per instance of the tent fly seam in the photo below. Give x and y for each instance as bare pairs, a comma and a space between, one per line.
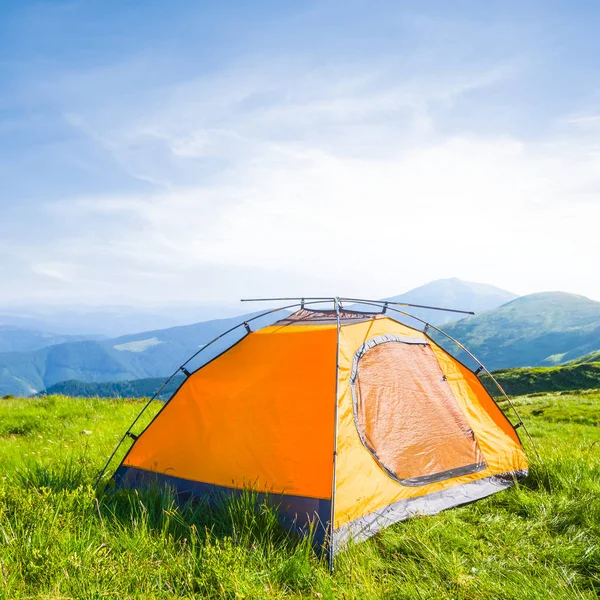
335, 436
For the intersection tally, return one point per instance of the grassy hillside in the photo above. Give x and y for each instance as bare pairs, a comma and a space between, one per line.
535, 330
58, 539
587, 358
137, 388
530, 380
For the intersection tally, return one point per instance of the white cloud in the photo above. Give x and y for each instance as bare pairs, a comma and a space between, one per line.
57, 271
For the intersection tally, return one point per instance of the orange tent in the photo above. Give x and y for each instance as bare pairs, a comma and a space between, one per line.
348, 419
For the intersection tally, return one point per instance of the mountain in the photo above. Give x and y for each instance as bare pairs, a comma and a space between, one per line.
149, 354
539, 329
29, 365
110, 321
117, 320
448, 293
536, 330
16, 339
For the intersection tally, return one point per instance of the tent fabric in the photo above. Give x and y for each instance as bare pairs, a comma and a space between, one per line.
353, 426
260, 415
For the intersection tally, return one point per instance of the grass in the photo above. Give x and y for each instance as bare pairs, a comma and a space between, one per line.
60, 539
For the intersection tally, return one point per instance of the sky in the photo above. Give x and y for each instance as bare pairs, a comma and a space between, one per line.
169, 152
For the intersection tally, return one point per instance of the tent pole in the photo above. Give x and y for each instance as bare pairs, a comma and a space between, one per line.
359, 300
506, 397
323, 298
181, 367
390, 302
335, 432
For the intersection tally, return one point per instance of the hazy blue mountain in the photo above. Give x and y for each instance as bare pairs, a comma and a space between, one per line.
16, 339
150, 354
453, 293
446, 293
540, 329
535, 330
111, 321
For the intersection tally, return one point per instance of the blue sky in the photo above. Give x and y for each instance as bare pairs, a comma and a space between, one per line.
202, 151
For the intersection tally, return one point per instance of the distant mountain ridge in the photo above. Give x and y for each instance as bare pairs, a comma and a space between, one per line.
547, 328
156, 353
453, 293
142, 355
17, 339
540, 329
110, 321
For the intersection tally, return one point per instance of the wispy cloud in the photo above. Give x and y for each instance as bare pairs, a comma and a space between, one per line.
288, 176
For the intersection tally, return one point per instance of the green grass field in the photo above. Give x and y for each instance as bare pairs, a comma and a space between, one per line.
59, 539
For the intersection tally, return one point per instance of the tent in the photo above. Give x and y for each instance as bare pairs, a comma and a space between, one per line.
348, 420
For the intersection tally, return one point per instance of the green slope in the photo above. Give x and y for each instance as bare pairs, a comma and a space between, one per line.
539, 329
137, 388
587, 358
531, 380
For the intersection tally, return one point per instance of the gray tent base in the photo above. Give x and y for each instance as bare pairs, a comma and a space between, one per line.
430, 504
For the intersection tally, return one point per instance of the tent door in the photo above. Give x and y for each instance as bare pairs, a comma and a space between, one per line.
406, 414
